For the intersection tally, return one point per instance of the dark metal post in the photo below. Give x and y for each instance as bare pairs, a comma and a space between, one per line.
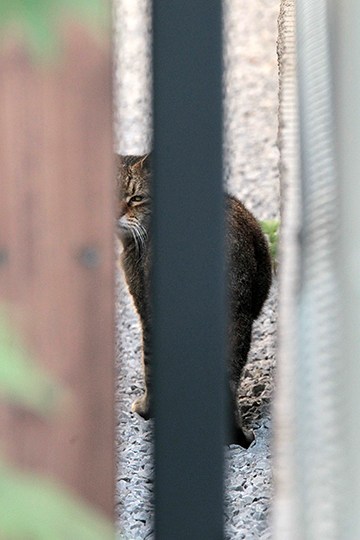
188, 281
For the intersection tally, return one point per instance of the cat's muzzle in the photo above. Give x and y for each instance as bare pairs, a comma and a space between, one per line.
123, 229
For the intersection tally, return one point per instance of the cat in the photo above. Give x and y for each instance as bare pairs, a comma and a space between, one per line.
248, 267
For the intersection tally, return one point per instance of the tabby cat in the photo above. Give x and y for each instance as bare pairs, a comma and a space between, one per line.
249, 274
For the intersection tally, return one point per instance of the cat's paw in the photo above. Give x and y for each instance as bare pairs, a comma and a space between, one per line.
247, 438
241, 436
141, 406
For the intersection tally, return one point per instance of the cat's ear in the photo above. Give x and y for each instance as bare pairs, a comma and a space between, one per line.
143, 163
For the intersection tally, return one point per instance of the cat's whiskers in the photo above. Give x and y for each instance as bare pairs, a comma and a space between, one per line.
128, 226
136, 241
141, 234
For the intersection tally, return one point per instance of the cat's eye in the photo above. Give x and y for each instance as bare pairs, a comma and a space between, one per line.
136, 199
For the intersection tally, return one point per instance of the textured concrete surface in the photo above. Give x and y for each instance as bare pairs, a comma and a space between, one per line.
251, 171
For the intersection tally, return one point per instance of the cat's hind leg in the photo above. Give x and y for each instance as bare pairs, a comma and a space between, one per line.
238, 434
240, 339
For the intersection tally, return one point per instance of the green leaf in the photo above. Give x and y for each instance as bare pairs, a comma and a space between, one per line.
271, 229
34, 507
40, 21
38, 27
21, 381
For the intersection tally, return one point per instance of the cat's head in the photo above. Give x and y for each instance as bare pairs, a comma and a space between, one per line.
134, 198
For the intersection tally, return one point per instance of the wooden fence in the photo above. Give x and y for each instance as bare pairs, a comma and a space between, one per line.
56, 253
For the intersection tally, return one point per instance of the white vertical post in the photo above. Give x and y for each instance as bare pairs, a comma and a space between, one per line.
345, 17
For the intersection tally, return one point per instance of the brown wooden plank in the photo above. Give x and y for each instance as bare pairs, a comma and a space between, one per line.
56, 254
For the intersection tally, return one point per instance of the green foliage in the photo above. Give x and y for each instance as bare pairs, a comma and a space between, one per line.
271, 229
31, 506
40, 20
21, 381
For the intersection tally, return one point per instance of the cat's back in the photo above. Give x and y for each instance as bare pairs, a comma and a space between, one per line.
250, 262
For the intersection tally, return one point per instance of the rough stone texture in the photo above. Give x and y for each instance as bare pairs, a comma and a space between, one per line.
251, 163
284, 507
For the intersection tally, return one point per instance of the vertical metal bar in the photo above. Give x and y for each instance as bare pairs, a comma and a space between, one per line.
346, 51
188, 284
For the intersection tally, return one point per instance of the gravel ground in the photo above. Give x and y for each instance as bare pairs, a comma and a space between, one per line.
251, 159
